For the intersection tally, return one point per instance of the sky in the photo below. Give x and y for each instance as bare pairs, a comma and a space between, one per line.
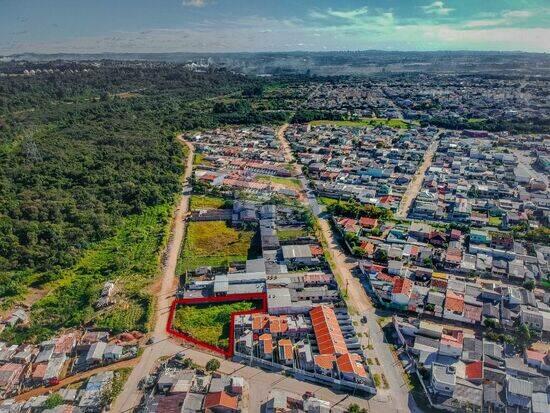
94, 26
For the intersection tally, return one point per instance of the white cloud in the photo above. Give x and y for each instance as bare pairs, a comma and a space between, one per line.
348, 14
194, 3
517, 14
438, 8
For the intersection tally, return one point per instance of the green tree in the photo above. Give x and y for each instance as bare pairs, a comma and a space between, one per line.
355, 408
529, 285
213, 365
53, 401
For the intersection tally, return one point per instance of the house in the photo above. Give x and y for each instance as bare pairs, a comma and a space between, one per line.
112, 353
326, 328
401, 291
518, 392
11, 375
536, 359
266, 346
286, 352
95, 353
533, 319
324, 364
351, 368
451, 343
420, 231
368, 223
304, 356
454, 306
474, 371
300, 254
220, 402
443, 379
478, 236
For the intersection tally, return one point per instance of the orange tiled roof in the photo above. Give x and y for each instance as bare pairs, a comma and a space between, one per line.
402, 286
327, 331
259, 321
278, 324
351, 363
454, 302
368, 247
535, 355
267, 341
286, 345
316, 250
324, 361
474, 370
367, 222
220, 399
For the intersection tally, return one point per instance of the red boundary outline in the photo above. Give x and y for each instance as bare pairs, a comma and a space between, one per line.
228, 352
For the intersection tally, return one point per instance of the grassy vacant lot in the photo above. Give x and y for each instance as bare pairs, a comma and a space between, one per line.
215, 244
286, 234
291, 183
366, 122
206, 202
209, 322
130, 258
327, 201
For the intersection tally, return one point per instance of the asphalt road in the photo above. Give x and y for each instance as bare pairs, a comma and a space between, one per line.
397, 397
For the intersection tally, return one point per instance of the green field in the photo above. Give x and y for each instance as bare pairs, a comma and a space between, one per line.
215, 244
327, 201
366, 122
291, 183
130, 258
209, 322
286, 234
206, 202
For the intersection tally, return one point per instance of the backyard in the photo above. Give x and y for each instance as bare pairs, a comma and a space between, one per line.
210, 322
216, 244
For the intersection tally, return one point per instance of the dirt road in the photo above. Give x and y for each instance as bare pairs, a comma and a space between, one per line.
74, 379
416, 183
165, 291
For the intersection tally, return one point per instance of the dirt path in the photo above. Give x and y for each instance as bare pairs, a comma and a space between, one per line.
165, 292
74, 379
416, 184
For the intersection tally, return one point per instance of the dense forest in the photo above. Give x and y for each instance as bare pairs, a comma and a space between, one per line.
84, 148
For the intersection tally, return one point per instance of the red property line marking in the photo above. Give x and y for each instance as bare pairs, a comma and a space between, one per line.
228, 352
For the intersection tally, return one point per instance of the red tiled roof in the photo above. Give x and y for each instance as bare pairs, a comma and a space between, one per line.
324, 361
474, 371
327, 331
267, 341
402, 286
286, 345
368, 247
367, 222
534, 355
278, 324
316, 250
454, 302
259, 321
220, 399
351, 363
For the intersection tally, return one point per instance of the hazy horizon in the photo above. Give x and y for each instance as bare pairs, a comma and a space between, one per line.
222, 26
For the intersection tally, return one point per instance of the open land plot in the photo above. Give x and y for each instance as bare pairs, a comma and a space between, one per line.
216, 244
286, 234
290, 183
210, 322
199, 202
362, 123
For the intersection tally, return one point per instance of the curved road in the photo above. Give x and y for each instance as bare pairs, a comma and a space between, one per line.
165, 288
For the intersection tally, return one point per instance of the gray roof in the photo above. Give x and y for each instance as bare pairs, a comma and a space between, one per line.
296, 251
444, 374
540, 402
520, 387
